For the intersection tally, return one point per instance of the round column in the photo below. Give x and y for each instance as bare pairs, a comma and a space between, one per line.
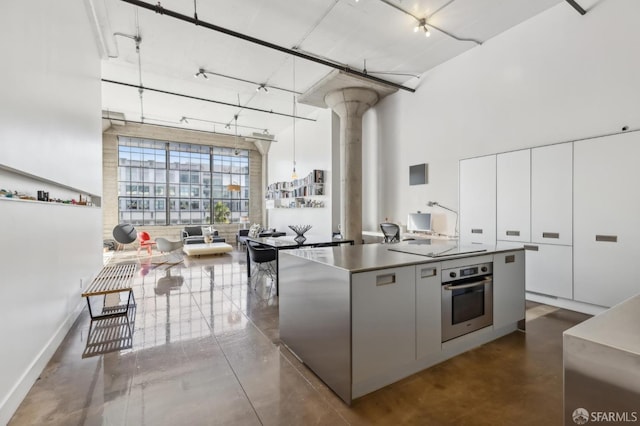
350, 104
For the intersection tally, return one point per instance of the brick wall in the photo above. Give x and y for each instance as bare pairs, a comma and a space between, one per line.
110, 175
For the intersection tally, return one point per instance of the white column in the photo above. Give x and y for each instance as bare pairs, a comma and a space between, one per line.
350, 104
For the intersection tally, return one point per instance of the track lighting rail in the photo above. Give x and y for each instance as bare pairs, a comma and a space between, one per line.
166, 92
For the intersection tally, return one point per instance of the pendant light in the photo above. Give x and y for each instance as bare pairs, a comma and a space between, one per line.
294, 175
233, 186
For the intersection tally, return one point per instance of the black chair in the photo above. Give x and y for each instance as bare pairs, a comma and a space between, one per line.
391, 232
264, 259
124, 234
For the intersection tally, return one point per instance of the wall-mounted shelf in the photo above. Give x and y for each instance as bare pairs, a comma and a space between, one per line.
311, 185
295, 203
28, 185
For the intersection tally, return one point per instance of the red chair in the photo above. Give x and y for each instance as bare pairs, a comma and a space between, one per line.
145, 242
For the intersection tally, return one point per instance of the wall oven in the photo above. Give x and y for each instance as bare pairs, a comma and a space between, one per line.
467, 299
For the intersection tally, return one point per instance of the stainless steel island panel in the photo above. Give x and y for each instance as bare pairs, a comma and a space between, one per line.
602, 364
315, 319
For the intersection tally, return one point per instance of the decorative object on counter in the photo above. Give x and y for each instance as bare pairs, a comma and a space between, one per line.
300, 230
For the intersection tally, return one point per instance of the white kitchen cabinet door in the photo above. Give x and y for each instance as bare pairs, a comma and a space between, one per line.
478, 200
428, 308
549, 270
508, 288
383, 319
552, 194
606, 219
513, 207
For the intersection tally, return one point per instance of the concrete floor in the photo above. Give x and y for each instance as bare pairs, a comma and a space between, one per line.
205, 351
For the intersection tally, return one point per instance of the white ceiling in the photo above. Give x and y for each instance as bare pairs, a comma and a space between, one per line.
344, 31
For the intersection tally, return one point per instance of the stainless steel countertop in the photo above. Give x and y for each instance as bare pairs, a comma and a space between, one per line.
368, 257
618, 327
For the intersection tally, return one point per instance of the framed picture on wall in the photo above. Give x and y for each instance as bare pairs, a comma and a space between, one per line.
418, 174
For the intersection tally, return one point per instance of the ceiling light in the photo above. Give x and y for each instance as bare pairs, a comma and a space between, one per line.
422, 25
201, 73
184, 120
262, 87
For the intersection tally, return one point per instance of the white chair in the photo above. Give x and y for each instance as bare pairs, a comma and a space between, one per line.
165, 246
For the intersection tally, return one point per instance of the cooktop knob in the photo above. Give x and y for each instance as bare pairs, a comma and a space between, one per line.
452, 274
484, 269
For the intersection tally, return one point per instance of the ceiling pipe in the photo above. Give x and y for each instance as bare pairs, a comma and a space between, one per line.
193, 20
577, 7
166, 92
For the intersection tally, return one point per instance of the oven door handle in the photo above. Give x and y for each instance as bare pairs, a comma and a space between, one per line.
473, 284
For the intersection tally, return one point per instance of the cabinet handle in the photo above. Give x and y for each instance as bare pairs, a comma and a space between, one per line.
550, 235
476, 231
428, 272
513, 233
510, 259
607, 238
385, 279
530, 247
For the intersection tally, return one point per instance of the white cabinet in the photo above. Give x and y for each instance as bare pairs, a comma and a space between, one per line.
508, 288
513, 203
606, 218
478, 200
428, 308
551, 194
383, 321
549, 270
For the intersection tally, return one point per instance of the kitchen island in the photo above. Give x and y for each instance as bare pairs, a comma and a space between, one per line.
362, 317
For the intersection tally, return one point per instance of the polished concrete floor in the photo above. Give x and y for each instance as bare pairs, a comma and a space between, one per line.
202, 348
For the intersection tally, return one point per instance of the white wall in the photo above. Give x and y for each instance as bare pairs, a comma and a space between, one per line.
557, 77
49, 127
313, 151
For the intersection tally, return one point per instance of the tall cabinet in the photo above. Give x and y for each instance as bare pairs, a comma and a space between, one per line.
478, 200
513, 177
606, 219
549, 254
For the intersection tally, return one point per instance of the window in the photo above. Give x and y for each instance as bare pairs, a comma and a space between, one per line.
171, 183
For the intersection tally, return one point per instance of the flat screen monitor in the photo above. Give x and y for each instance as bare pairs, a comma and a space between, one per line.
419, 222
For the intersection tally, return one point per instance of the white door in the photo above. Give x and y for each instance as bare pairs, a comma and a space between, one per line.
550, 270
478, 200
607, 219
552, 194
513, 207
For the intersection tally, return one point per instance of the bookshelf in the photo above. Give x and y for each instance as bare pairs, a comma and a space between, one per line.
297, 193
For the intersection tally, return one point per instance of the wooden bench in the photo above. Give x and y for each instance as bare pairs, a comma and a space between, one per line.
112, 279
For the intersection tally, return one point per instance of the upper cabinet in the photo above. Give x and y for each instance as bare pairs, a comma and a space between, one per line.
513, 210
606, 217
478, 200
551, 194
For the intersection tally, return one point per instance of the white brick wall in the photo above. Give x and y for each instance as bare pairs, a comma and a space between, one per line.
110, 175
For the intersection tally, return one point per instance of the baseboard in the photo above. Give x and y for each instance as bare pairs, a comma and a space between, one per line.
571, 305
12, 401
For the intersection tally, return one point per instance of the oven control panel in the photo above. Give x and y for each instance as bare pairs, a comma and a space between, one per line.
463, 272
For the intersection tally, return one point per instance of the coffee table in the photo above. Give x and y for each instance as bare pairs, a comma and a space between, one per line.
211, 248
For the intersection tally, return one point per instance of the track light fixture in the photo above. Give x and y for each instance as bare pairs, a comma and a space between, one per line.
201, 72
262, 87
422, 25
184, 120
